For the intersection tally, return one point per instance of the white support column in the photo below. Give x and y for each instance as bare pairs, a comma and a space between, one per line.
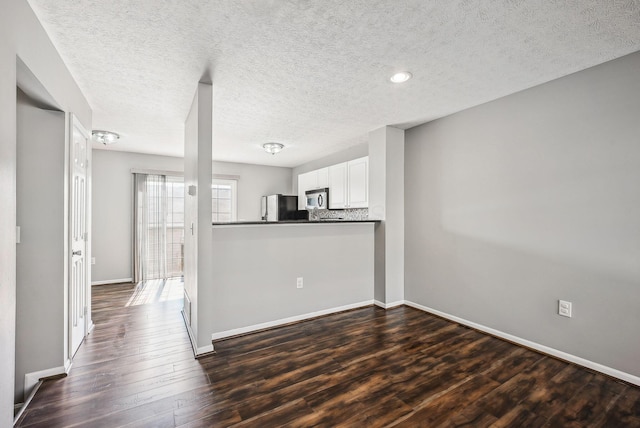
198, 243
386, 203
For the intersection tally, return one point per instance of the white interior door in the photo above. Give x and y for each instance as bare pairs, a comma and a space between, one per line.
78, 272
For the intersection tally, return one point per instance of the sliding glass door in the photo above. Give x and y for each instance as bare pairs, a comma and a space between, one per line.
159, 226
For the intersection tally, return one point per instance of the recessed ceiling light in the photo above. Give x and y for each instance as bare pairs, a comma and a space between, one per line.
105, 137
400, 77
272, 148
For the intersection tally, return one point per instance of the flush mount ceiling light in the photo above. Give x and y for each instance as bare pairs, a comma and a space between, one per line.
400, 77
105, 137
272, 148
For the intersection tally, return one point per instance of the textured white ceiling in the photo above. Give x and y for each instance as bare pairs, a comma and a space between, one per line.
314, 74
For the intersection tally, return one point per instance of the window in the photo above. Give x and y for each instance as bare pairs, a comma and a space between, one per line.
223, 200
175, 226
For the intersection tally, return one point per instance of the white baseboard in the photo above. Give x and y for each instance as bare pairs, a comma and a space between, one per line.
388, 305
538, 347
112, 281
197, 351
204, 350
91, 327
289, 320
32, 379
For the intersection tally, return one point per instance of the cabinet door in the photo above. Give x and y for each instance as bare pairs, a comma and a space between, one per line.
323, 177
306, 181
358, 183
338, 186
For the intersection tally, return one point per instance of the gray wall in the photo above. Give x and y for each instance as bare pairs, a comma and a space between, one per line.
532, 198
255, 271
40, 276
112, 210
255, 181
22, 35
113, 201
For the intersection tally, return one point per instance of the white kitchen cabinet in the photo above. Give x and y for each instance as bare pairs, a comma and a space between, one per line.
311, 180
306, 182
349, 184
338, 186
358, 183
323, 178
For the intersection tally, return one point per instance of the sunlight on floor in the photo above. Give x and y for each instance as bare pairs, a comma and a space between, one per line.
157, 290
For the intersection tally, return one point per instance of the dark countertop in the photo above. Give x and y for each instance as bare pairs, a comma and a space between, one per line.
331, 221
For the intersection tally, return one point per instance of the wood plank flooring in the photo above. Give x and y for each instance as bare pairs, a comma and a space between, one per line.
363, 368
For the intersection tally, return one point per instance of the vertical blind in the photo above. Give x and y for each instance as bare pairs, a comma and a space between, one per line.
158, 226
150, 223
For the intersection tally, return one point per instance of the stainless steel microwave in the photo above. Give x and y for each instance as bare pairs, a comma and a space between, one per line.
317, 199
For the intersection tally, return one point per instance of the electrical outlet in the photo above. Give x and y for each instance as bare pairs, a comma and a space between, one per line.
299, 282
564, 308
93, 260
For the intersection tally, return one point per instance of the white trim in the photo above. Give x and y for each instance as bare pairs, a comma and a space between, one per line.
225, 177
157, 172
180, 173
194, 345
32, 379
289, 320
388, 305
204, 350
91, 327
112, 281
19, 409
627, 377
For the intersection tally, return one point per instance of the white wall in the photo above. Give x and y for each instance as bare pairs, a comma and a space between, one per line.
113, 201
21, 35
256, 267
532, 198
40, 275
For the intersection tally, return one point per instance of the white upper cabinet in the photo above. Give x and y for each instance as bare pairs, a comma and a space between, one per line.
306, 182
358, 183
348, 184
309, 181
338, 186
323, 178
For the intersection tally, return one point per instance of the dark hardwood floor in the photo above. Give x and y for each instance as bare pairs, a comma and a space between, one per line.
363, 368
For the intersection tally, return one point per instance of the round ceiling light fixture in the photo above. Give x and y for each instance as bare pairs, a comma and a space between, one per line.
272, 148
400, 77
105, 137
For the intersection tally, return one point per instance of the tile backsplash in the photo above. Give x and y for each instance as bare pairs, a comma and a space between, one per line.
348, 214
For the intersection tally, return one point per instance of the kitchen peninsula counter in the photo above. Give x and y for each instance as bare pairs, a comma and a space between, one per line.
298, 222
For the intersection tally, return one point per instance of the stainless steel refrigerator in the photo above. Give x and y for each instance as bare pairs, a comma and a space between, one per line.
279, 208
